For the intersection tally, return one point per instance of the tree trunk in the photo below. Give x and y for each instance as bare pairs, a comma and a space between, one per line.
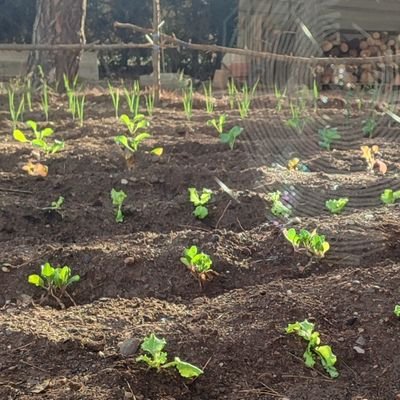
57, 22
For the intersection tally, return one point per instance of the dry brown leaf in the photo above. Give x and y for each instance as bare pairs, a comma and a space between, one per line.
36, 169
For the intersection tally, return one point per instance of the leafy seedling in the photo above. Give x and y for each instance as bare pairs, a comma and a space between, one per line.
296, 121
54, 280
336, 206
56, 206
118, 198
390, 197
327, 136
397, 310
39, 138
278, 208
199, 264
131, 145
311, 242
218, 124
200, 200
156, 358
231, 136
370, 155
314, 348
369, 126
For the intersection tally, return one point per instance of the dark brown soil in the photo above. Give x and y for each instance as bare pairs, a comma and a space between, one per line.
132, 282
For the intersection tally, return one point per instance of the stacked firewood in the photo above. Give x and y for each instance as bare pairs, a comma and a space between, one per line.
368, 73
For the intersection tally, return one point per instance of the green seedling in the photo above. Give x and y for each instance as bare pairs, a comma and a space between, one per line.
133, 98
296, 121
16, 112
134, 125
118, 198
397, 310
218, 124
39, 138
369, 126
336, 206
45, 100
70, 88
311, 242
80, 108
280, 98
389, 196
208, 93
188, 101
278, 208
199, 264
232, 93
200, 200
315, 93
55, 205
156, 358
244, 102
327, 136
150, 102
54, 280
115, 95
314, 348
28, 92
231, 136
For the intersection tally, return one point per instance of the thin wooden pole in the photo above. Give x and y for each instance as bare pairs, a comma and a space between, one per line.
156, 51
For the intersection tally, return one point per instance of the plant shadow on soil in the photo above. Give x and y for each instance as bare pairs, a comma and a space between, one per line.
133, 283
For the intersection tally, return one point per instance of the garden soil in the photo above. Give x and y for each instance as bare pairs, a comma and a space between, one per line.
132, 280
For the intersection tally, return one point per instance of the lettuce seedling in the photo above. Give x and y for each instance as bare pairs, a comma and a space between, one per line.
199, 264
390, 197
397, 310
39, 138
313, 244
218, 124
54, 280
200, 201
118, 197
231, 136
157, 358
327, 136
314, 348
278, 208
336, 206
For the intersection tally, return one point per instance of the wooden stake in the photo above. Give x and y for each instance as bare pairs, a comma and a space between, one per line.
156, 51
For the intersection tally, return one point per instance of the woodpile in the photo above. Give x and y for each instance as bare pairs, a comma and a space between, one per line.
368, 74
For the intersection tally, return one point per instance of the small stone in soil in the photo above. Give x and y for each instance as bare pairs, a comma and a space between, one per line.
129, 346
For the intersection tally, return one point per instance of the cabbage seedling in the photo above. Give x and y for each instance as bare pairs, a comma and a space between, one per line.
327, 136
390, 197
336, 206
54, 280
39, 138
218, 124
200, 201
156, 358
137, 123
199, 264
314, 348
397, 310
314, 244
278, 208
231, 136
118, 198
